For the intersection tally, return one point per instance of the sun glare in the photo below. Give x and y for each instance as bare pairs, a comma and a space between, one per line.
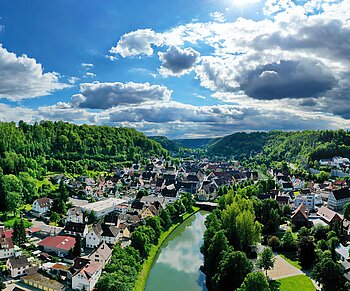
244, 2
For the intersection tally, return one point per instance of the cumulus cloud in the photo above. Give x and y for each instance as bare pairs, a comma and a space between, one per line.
22, 77
288, 79
218, 16
106, 95
63, 111
137, 42
177, 61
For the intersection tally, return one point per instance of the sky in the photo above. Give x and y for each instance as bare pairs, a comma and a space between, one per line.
183, 69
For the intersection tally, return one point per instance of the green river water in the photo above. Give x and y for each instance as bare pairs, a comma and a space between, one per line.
177, 265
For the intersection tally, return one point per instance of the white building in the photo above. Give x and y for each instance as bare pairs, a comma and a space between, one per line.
102, 233
87, 277
103, 207
308, 200
337, 198
42, 205
75, 214
102, 255
17, 266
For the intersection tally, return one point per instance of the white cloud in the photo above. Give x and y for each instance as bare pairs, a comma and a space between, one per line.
22, 77
90, 74
138, 42
87, 66
218, 16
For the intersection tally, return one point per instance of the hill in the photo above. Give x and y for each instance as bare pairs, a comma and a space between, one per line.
199, 143
295, 146
60, 147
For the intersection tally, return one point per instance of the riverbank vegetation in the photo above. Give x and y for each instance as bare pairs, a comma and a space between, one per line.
145, 242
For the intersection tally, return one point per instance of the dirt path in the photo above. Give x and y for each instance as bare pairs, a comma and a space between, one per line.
283, 269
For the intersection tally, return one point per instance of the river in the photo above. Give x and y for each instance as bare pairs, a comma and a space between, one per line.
177, 265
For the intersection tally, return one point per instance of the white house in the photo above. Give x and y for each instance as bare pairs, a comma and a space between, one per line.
7, 248
75, 214
103, 207
102, 233
337, 198
102, 255
87, 277
76, 229
42, 205
17, 266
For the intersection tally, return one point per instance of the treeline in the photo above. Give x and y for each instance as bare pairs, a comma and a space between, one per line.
60, 146
122, 271
302, 147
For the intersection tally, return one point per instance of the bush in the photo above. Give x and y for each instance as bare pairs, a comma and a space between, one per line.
274, 242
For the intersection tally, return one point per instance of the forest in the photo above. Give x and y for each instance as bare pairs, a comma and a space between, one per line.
301, 147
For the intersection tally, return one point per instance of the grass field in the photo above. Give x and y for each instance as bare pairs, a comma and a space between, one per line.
147, 264
300, 282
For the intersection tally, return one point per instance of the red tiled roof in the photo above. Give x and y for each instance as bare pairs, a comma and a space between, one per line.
59, 242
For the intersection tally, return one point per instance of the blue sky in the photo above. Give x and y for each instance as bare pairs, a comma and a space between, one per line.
177, 68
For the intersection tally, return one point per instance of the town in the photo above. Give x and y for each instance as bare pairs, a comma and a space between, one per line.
71, 252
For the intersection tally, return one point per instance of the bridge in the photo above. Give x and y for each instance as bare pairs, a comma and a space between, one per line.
209, 206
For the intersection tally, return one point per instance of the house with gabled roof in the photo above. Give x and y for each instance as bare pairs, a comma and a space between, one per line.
300, 216
102, 255
329, 216
87, 277
18, 266
42, 205
76, 229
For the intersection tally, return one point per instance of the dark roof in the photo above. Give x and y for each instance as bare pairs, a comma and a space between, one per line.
79, 263
341, 193
111, 219
282, 199
287, 185
19, 262
109, 230
44, 202
169, 193
137, 204
75, 227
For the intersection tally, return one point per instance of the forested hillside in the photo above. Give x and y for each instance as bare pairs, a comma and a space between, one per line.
296, 146
60, 147
196, 143
170, 145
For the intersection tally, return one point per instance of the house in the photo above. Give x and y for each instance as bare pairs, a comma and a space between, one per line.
87, 277
329, 216
42, 205
17, 266
103, 207
137, 206
337, 198
150, 211
102, 233
286, 187
75, 214
282, 200
76, 229
300, 216
43, 283
102, 255
7, 248
61, 245
343, 254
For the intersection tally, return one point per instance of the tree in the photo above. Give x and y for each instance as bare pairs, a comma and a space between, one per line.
165, 219
19, 232
76, 251
255, 281
306, 251
329, 274
13, 201
248, 230
266, 259
274, 242
154, 223
288, 243
233, 268
54, 217
346, 209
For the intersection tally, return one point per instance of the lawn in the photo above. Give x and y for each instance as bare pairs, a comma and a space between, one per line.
291, 258
147, 264
299, 282
10, 222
